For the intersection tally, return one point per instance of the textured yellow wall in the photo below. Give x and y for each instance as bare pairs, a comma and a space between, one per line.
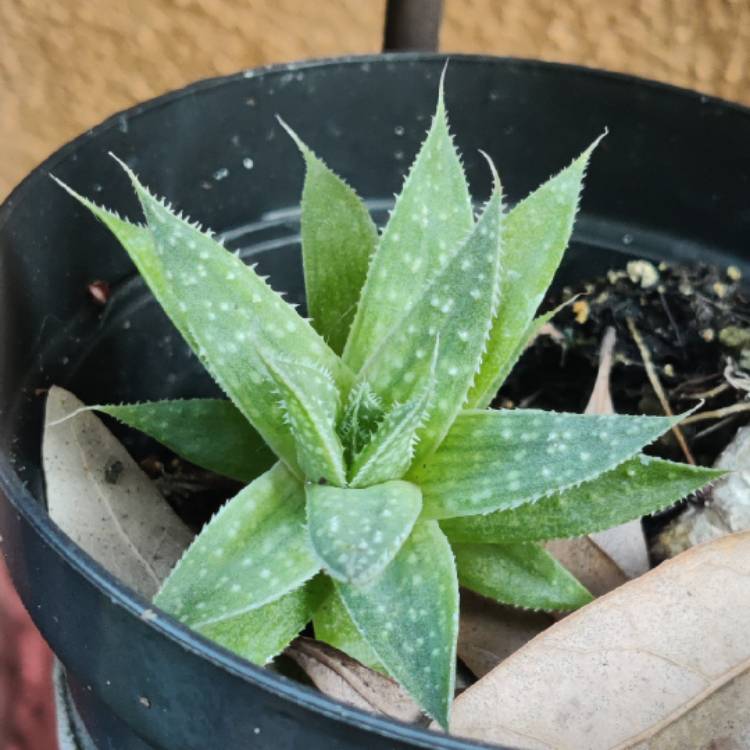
701, 44
67, 64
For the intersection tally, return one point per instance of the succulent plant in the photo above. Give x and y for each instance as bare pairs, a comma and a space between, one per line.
377, 477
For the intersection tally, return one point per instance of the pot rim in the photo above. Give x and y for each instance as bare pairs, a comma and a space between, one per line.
120, 594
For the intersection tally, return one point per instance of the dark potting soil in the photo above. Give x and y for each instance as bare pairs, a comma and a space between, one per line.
695, 323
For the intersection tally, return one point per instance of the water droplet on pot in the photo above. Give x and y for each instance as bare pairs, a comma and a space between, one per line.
221, 173
248, 163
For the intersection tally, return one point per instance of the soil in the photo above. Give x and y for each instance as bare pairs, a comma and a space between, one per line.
695, 323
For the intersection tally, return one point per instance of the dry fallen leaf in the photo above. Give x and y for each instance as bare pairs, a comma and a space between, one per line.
346, 680
624, 544
661, 663
102, 500
489, 632
589, 563
727, 509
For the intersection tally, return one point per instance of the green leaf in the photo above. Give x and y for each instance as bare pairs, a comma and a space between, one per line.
390, 451
363, 412
409, 616
535, 236
230, 312
432, 216
457, 307
356, 532
208, 432
139, 244
333, 626
637, 487
522, 574
338, 238
310, 403
252, 552
261, 634
495, 460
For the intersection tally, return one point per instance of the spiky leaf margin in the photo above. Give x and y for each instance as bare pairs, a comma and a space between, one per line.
636, 488
493, 460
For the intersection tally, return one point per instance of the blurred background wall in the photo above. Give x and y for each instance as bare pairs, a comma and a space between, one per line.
67, 64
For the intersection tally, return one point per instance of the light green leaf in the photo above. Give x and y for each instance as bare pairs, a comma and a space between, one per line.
208, 432
229, 312
139, 244
333, 626
390, 451
639, 486
458, 307
535, 236
363, 412
310, 403
338, 238
522, 574
431, 218
409, 616
261, 634
495, 460
252, 552
357, 532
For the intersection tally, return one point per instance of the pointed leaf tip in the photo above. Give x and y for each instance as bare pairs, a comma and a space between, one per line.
338, 239
431, 218
497, 186
293, 135
536, 235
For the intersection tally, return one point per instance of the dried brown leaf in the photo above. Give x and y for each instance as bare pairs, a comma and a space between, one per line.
341, 677
660, 663
102, 500
589, 563
625, 544
489, 632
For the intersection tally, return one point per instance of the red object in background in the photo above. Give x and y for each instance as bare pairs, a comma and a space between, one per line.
27, 714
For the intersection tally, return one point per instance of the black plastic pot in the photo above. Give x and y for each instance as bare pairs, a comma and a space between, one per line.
670, 181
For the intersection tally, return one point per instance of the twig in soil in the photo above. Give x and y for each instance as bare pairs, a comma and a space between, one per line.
524, 403
714, 427
735, 377
718, 413
675, 327
711, 393
698, 380
653, 377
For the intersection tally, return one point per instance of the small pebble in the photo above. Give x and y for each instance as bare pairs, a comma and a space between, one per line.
642, 272
734, 273
581, 311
